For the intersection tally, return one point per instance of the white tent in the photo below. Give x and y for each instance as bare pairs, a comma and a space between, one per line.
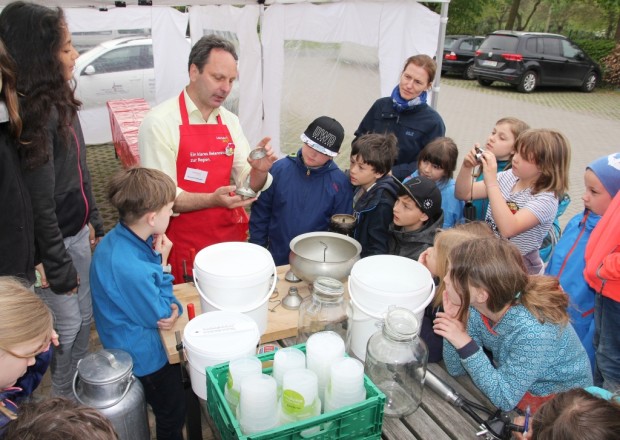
391, 30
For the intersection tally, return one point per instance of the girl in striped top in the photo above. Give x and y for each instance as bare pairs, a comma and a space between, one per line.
523, 200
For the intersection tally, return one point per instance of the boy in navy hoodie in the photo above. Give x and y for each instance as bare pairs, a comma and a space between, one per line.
372, 157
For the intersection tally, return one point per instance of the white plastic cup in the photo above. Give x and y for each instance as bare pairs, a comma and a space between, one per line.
322, 350
287, 359
300, 398
238, 370
346, 386
258, 404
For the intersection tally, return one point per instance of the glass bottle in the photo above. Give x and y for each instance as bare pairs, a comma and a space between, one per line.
396, 361
324, 310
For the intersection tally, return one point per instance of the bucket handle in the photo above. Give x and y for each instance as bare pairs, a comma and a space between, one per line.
131, 380
250, 308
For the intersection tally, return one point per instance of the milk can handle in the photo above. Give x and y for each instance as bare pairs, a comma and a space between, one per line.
131, 380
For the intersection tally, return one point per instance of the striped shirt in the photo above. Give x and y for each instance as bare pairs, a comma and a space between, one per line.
543, 205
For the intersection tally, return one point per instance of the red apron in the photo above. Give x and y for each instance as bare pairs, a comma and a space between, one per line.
204, 163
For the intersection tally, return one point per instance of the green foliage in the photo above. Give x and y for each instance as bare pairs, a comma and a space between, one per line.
597, 49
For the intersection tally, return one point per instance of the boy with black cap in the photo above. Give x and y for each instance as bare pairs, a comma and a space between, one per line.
417, 216
307, 189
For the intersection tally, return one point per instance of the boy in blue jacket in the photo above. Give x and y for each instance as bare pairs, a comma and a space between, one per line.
602, 182
372, 157
132, 290
308, 189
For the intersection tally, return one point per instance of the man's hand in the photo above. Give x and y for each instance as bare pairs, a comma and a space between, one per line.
168, 323
225, 197
264, 164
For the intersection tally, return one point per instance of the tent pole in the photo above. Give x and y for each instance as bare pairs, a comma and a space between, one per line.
443, 22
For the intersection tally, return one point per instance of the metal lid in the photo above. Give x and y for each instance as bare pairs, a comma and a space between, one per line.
105, 366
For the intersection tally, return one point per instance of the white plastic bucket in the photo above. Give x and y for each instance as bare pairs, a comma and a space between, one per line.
381, 280
363, 323
216, 337
234, 274
257, 311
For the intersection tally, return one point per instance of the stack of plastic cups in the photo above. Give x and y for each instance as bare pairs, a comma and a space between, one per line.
346, 385
299, 399
287, 359
239, 369
322, 350
258, 404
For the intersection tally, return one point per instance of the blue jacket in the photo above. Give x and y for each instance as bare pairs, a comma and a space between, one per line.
451, 206
414, 128
527, 356
7, 398
130, 294
374, 213
567, 262
299, 200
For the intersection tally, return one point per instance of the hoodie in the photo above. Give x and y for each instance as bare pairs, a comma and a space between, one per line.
411, 244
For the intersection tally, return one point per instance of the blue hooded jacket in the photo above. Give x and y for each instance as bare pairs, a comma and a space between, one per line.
567, 263
299, 200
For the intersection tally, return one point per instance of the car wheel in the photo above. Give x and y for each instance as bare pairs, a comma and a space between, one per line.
485, 82
590, 82
528, 82
468, 73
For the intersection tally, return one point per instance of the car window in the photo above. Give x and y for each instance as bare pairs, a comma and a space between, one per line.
531, 45
467, 45
506, 43
447, 44
147, 58
119, 60
569, 49
477, 42
551, 46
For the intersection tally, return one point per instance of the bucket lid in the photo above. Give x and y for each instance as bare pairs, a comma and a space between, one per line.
221, 334
234, 259
105, 366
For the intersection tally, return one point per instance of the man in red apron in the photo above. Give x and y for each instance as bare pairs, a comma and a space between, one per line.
201, 145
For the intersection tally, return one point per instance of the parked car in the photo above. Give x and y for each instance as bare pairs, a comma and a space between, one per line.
116, 69
458, 54
531, 59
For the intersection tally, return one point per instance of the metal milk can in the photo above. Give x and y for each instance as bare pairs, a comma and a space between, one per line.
104, 381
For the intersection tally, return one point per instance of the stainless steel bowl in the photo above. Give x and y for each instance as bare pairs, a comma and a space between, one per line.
323, 254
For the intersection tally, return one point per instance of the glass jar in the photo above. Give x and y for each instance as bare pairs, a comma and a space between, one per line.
324, 310
396, 362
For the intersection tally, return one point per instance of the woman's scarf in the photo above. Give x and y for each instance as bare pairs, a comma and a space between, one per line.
401, 105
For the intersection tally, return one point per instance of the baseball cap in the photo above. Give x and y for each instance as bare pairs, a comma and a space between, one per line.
325, 135
424, 192
607, 169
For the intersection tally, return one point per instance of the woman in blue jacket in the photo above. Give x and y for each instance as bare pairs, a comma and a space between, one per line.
407, 115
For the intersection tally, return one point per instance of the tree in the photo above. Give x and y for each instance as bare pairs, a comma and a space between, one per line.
512, 15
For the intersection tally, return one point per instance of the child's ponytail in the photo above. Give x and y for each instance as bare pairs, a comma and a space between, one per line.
544, 298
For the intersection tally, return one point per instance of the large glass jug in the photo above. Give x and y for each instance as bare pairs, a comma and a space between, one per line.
396, 362
324, 310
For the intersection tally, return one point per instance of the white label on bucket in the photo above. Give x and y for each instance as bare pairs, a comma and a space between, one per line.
224, 328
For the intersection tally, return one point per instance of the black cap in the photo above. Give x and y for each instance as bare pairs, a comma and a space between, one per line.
325, 135
424, 192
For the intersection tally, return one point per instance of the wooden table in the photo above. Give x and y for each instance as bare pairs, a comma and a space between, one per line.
437, 419
281, 323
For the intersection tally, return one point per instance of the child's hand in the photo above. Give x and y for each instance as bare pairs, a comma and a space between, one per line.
423, 258
163, 245
39, 268
451, 329
470, 161
168, 323
489, 166
451, 309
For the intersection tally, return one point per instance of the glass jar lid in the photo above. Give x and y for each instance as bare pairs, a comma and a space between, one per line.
401, 324
328, 287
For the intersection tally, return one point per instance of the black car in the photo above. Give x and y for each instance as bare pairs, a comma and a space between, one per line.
532, 59
458, 54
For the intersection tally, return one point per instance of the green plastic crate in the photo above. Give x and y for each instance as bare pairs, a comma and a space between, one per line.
355, 422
